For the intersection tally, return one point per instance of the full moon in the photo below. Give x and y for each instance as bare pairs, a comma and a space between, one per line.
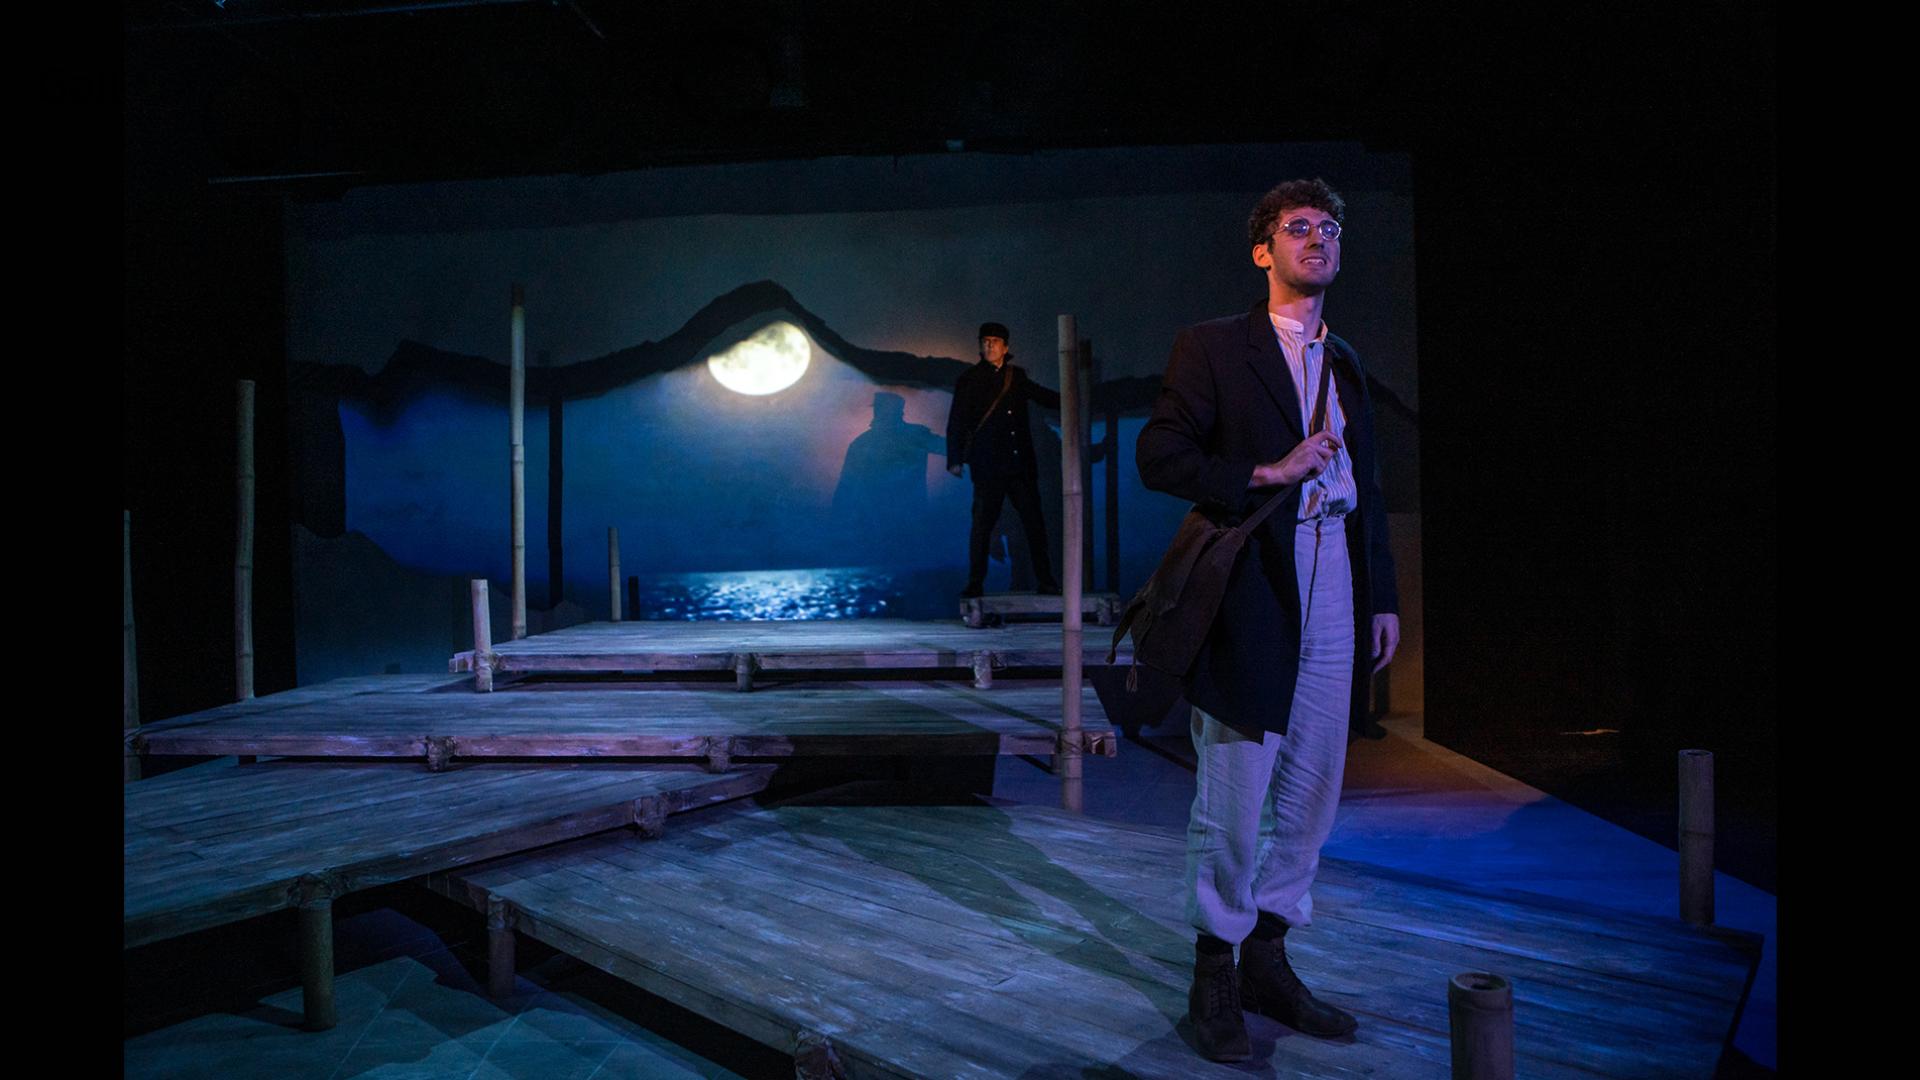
771, 360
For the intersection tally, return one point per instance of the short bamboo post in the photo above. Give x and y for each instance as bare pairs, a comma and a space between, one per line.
556, 443
316, 959
1480, 1019
1072, 527
1696, 836
499, 949
482, 637
129, 675
613, 572
243, 550
516, 440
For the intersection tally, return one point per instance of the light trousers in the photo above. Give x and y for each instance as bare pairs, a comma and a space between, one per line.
1262, 808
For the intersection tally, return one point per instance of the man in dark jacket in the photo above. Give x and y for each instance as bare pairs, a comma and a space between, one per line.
1310, 609
988, 430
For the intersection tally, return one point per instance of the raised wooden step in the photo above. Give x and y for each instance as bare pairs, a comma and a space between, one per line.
847, 647
1096, 609
440, 720
1020, 941
219, 843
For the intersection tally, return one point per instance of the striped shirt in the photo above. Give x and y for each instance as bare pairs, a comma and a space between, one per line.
1333, 492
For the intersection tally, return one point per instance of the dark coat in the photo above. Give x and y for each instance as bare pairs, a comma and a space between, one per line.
1004, 444
1226, 405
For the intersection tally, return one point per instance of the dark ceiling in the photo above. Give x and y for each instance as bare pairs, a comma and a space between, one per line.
284, 88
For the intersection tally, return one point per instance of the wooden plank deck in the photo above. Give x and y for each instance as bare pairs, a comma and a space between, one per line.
438, 718
1096, 608
823, 645
213, 845
1022, 941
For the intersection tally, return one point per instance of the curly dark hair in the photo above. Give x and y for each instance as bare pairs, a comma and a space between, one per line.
1292, 195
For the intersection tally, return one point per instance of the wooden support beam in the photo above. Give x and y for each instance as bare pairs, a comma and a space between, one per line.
1696, 837
482, 637
1480, 1019
613, 573
1072, 431
243, 548
316, 953
814, 1058
516, 442
650, 816
743, 666
500, 963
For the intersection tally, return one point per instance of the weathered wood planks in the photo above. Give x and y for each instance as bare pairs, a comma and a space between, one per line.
1103, 608
849, 645
209, 846
989, 941
627, 720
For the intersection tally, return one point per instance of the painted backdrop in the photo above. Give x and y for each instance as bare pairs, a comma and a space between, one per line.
862, 280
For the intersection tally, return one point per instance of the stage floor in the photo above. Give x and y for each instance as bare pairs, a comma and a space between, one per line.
993, 941
439, 718
817, 646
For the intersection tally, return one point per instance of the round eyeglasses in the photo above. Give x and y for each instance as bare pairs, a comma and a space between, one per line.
1299, 227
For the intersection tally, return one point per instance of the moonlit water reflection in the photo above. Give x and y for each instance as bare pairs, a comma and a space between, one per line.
823, 593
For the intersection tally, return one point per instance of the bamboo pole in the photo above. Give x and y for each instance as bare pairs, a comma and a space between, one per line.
129, 675
482, 636
1089, 375
556, 443
613, 572
1696, 836
243, 550
1112, 461
1069, 757
316, 962
516, 439
1480, 1023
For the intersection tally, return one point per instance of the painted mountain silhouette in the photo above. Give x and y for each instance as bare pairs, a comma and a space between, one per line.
315, 390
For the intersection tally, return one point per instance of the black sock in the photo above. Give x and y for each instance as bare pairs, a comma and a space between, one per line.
1269, 927
1208, 945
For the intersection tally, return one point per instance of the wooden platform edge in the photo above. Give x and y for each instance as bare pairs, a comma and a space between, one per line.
783, 1035
441, 750
648, 812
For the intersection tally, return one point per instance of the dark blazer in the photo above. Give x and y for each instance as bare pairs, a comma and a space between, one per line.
1004, 444
1227, 404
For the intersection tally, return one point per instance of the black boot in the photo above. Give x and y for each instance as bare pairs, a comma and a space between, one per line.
1269, 986
1213, 1005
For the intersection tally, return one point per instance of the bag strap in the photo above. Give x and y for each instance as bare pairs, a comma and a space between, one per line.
1254, 519
1006, 384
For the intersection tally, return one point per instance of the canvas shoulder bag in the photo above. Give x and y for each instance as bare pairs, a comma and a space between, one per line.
1172, 613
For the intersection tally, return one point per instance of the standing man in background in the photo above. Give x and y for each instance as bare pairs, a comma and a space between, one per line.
1280, 684
988, 430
